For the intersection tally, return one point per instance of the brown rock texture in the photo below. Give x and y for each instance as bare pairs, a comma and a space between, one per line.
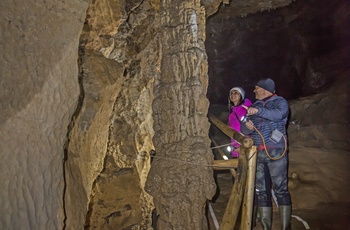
38, 93
180, 181
89, 88
111, 135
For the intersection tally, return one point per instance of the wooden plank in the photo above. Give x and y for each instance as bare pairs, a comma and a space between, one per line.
247, 207
225, 164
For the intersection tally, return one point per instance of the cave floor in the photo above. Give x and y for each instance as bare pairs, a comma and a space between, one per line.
322, 217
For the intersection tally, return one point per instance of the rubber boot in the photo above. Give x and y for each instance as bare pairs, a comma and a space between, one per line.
265, 217
256, 216
285, 216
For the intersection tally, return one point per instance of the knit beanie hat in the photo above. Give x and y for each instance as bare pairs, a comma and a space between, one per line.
267, 84
239, 90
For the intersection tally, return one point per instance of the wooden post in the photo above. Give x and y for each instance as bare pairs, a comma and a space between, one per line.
247, 207
235, 201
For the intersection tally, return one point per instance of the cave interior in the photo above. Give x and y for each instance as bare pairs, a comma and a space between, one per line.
104, 122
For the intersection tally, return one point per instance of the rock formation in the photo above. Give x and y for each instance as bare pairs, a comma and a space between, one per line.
39, 93
90, 88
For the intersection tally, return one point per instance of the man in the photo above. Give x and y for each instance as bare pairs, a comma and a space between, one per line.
267, 127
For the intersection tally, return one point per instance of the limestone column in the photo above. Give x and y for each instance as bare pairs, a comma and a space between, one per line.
180, 180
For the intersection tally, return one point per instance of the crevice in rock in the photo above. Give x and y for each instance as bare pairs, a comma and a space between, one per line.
76, 113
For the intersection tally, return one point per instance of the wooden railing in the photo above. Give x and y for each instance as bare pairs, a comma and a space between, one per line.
243, 169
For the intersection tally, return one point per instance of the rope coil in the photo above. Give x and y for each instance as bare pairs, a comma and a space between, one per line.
267, 153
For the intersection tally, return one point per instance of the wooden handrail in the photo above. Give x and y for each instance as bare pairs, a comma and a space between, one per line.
244, 180
231, 133
225, 164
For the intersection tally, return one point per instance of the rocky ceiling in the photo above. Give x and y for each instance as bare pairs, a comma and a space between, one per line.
242, 7
302, 46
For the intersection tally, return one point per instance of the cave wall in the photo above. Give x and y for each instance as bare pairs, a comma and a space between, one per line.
75, 142
90, 88
318, 131
111, 136
303, 47
138, 82
38, 93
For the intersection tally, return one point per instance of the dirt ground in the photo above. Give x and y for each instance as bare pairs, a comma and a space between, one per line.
335, 216
319, 186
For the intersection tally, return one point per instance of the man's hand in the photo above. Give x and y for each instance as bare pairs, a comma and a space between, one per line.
251, 110
250, 125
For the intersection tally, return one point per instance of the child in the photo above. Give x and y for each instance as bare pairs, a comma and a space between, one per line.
235, 101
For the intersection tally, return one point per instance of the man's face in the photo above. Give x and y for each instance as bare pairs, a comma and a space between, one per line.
259, 93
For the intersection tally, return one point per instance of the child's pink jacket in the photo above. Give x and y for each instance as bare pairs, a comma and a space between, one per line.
237, 112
